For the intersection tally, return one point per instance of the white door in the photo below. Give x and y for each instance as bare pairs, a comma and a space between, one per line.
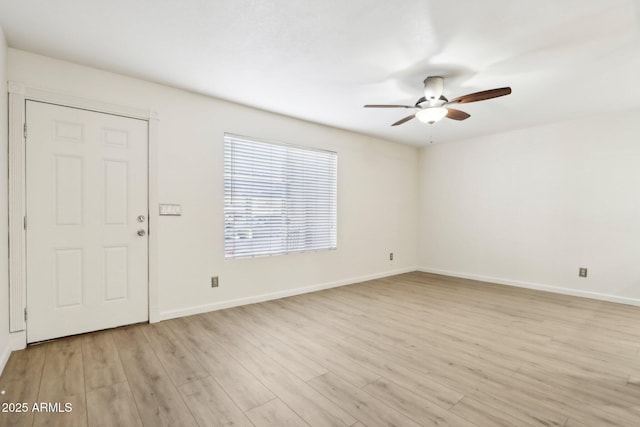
86, 223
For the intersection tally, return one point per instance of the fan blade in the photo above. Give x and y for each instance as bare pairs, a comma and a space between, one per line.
456, 114
481, 96
389, 106
406, 119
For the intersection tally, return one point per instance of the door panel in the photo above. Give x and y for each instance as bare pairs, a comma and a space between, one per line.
87, 268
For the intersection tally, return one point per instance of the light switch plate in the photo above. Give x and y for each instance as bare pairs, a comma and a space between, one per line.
170, 209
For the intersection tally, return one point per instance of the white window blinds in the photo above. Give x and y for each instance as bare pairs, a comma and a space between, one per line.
278, 198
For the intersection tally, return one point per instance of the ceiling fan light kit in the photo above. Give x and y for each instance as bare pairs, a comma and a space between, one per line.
433, 106
431, 114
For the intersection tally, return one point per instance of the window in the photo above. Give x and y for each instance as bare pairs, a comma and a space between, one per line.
278, 198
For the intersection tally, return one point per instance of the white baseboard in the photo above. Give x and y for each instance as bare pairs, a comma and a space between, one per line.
154, 315
16, 341
188, 311
535, 286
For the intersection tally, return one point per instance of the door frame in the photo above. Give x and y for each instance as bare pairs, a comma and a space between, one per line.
19, 94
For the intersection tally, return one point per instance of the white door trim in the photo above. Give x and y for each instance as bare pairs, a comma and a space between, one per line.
18, 95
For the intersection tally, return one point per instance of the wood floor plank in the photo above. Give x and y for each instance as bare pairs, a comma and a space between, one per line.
592, 389
63, 372
181, 365
112, 406
402, 373
414, 406
158, 401
211, 406
412, 348
447, 357
597, 420
243, 387
522, 399
527, 410
579, 408
275, 414
312, 350
102, 365
364, 407
20, 381
310, 405
62, 383
545, 402
396, 331
57, 417
483, 415
279, 351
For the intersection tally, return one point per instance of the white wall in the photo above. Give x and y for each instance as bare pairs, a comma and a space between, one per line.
4, 213
377, 180
530, 207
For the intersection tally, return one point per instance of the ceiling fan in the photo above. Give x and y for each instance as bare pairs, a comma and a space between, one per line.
433, 106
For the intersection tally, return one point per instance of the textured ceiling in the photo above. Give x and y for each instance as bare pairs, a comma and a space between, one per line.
323, 60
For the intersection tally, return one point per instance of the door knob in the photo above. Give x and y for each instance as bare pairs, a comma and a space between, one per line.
141, 232
141, 218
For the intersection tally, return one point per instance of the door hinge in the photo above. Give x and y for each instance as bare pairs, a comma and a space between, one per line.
25, 314
25, 222
25, 131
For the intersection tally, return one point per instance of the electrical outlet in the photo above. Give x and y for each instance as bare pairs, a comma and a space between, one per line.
214, 282
390, 256
582, 272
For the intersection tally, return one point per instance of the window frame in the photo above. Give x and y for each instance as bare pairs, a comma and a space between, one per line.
331, 220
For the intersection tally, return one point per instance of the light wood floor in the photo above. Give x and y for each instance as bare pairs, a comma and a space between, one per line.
414, 349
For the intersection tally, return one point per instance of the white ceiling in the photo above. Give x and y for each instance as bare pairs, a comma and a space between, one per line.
323, 60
